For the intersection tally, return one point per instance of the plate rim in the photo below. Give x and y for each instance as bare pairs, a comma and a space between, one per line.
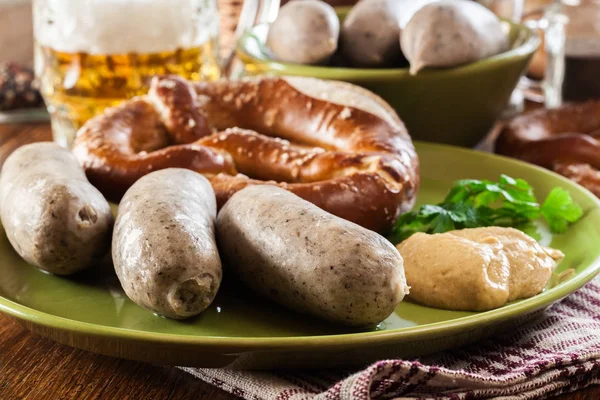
249, 343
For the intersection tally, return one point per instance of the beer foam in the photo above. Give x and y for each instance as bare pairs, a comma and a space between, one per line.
124, 26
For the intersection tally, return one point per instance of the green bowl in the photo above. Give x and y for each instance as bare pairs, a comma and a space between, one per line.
453, 106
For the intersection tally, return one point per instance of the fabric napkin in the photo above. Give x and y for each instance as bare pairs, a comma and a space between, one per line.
556, 353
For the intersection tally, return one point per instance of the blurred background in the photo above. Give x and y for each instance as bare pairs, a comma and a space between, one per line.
480, 105
16, 27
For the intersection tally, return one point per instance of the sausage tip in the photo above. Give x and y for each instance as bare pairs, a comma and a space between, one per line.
87, 216
192, 296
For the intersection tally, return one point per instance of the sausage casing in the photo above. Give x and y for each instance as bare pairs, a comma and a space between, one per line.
53, 217
294, 253
163, 248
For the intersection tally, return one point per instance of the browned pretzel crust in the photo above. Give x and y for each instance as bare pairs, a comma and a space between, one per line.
564, 139
331, 143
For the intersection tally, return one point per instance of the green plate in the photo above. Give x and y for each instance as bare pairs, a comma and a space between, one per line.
91, 312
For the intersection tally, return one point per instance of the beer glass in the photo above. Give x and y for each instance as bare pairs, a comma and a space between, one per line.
93, 54
511, 10
576, 65
571, 32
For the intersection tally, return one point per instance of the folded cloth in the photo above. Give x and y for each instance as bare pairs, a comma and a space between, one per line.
558, 352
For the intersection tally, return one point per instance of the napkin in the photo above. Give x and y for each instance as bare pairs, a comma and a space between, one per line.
556, 353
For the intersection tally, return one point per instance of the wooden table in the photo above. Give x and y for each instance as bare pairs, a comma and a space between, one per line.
32, 367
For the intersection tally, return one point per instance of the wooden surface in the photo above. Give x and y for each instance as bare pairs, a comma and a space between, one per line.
32, 367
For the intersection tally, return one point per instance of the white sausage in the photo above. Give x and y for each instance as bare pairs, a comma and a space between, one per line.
163, 248
53, 217
294, 253
450, 33
305, 32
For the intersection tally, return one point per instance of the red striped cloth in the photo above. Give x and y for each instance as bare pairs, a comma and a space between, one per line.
556, 353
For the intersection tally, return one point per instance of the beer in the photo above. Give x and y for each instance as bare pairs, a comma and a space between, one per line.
77, 86
93, 54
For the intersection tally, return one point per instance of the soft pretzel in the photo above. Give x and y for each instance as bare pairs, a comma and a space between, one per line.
332, 143
564, 139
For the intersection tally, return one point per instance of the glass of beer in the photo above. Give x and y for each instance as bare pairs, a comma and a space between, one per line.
571, 52
92, 54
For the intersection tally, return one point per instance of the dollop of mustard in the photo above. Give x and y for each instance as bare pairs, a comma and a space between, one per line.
476, 269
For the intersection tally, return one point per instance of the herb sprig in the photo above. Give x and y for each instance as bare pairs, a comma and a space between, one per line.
473, 203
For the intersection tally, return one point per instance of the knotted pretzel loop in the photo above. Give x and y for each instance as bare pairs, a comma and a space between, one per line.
564, 139
332, 143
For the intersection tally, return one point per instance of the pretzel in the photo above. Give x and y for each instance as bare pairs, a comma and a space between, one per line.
564, 140
331, 143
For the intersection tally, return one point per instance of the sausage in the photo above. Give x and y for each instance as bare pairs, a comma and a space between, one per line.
53, 217
370, 34
163, 247
305, 32
296, 254
448, 33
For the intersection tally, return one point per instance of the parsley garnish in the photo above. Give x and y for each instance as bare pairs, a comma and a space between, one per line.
472, 203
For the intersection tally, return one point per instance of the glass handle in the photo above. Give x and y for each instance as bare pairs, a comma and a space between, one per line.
551, 27
267, 11
534, 88
254, 12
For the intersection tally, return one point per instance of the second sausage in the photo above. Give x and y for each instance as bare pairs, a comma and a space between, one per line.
164, 248
305, 258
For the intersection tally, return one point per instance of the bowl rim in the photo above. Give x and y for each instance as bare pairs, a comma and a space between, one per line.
529, 45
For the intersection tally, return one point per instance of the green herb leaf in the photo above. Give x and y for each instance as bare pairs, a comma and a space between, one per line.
473, 203
560, 210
